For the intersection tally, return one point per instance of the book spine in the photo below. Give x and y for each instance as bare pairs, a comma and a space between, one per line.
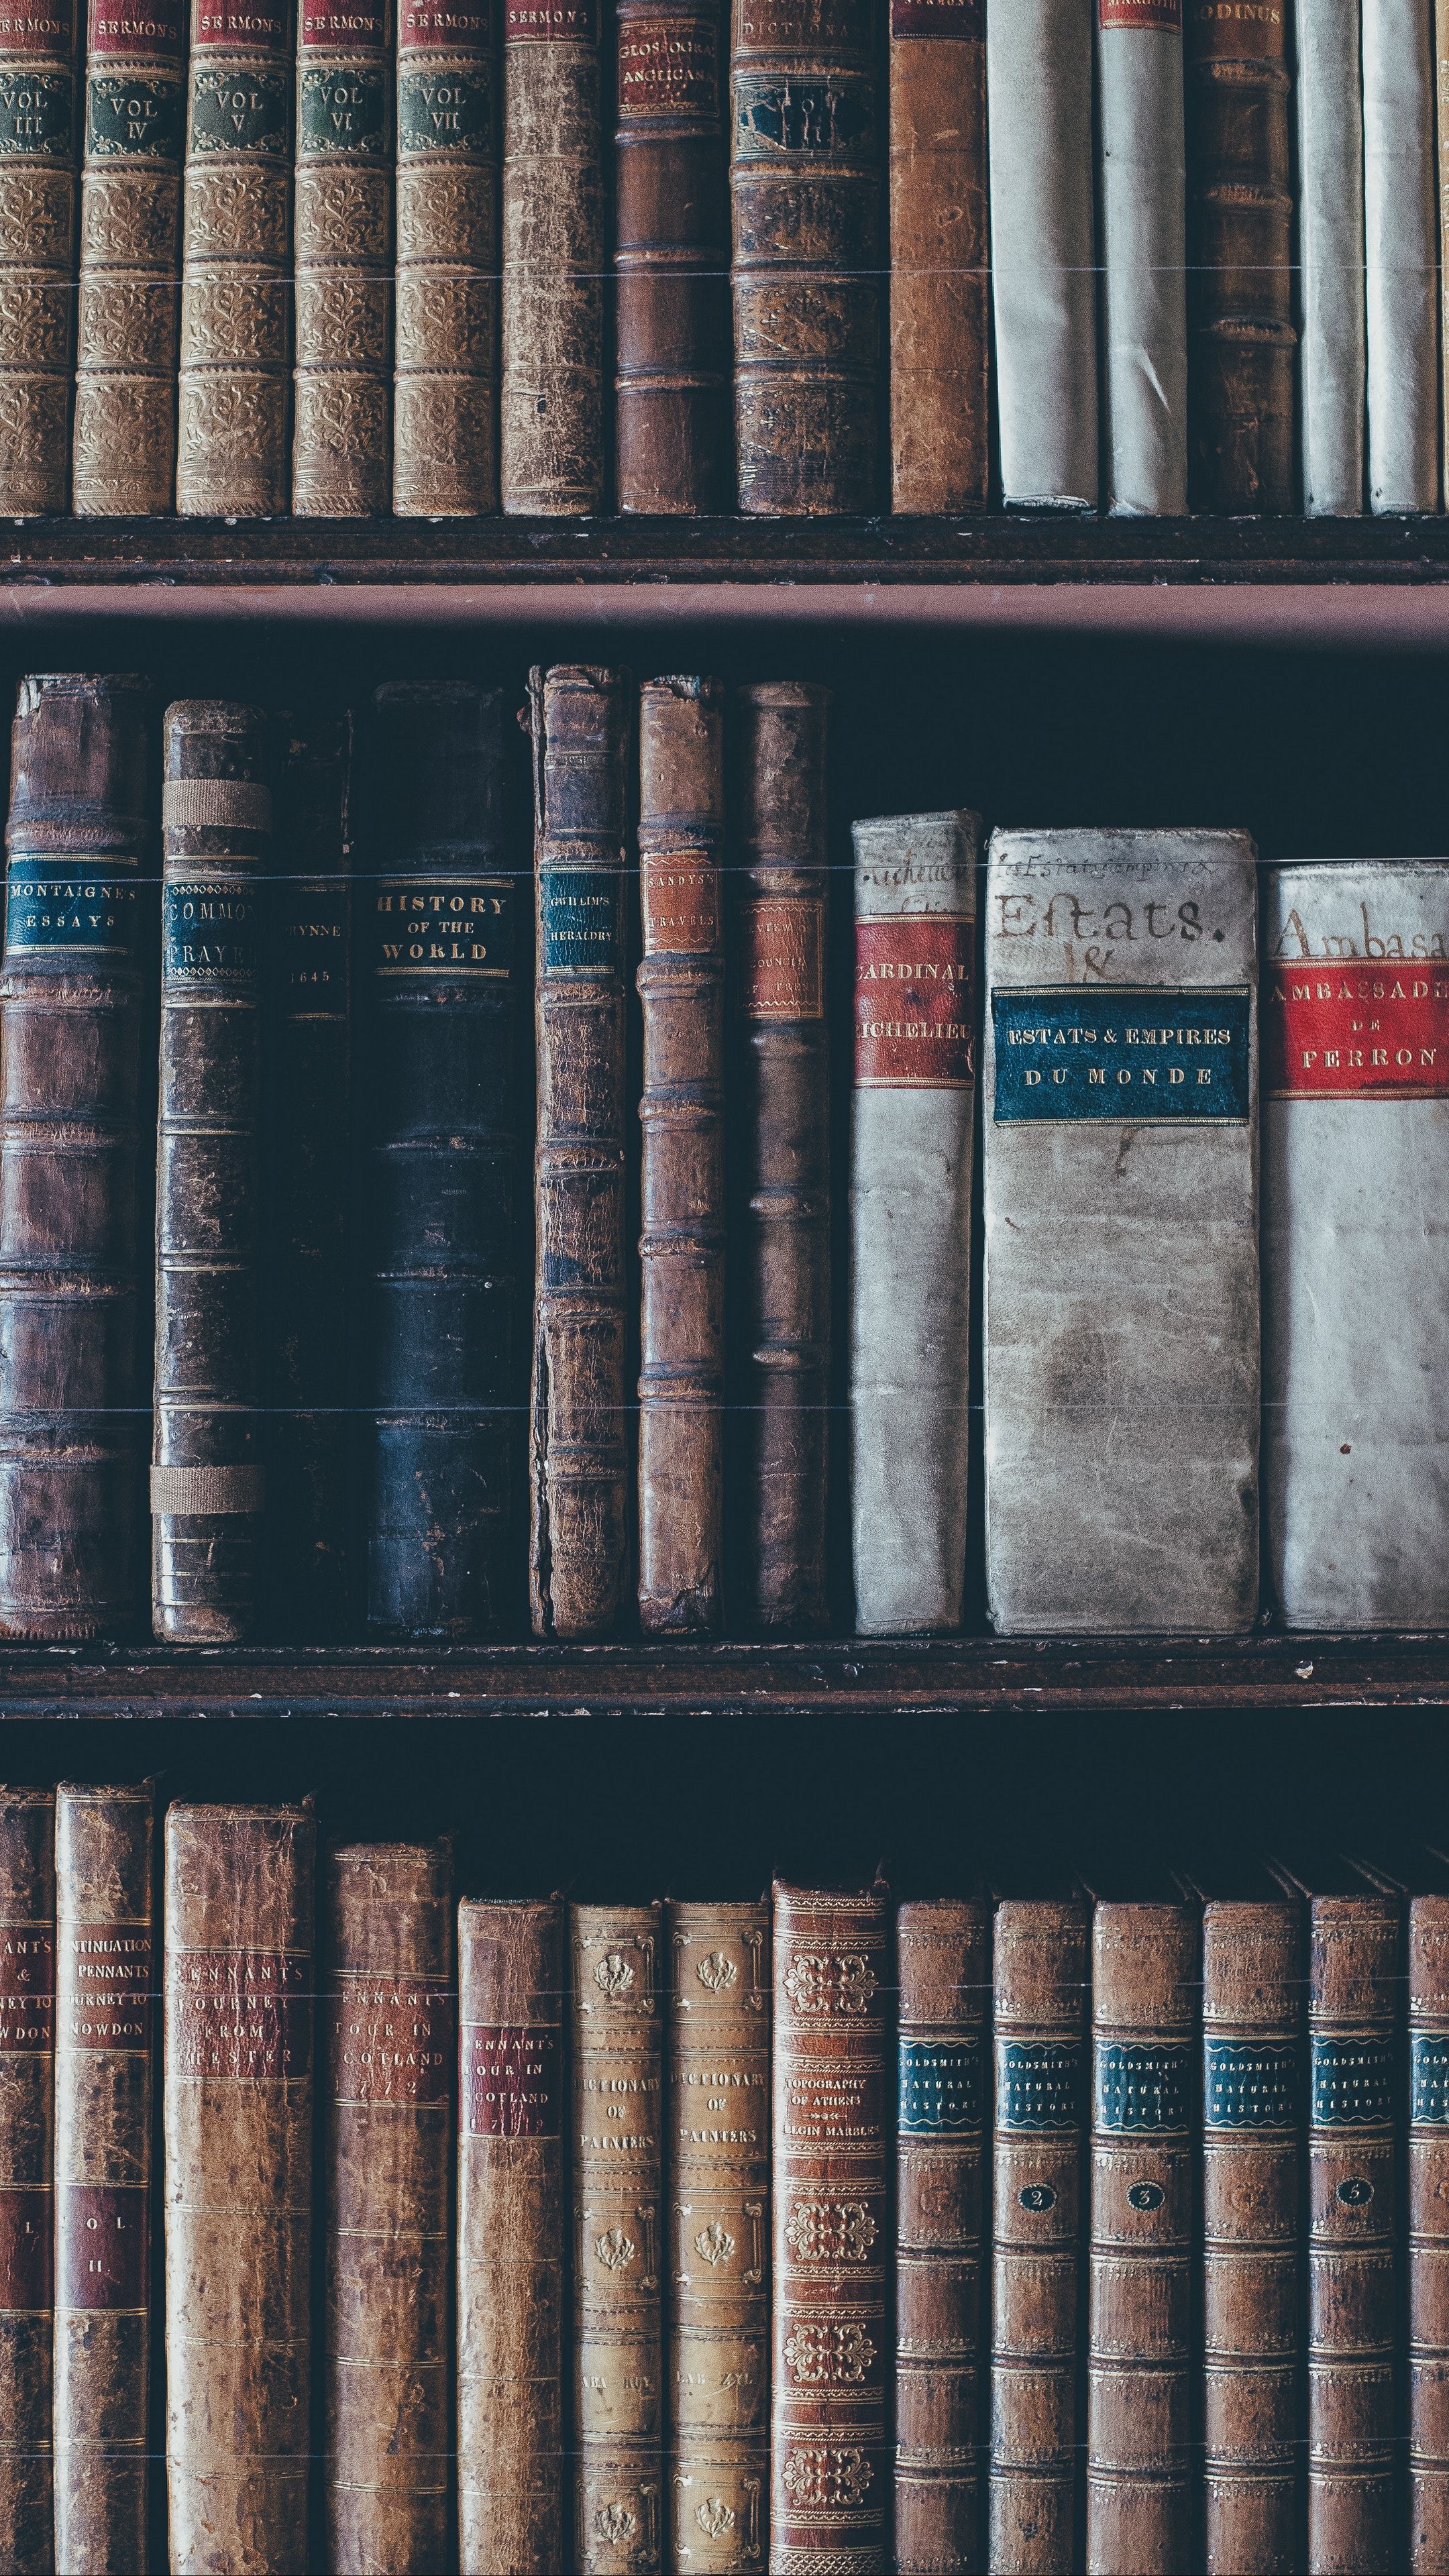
236, 262
553, 260
1428, 2235
1401, 240
37, 254
1142, 169
388, 2146
1144, 2006
578, 1474
342, 218
237, 2100
27, 2180
1352, 1969
130, 244
671, 260
1241, 334
718, 2179
1252, 1986
445, 400
910, 1217
681, 1113
782, 1163
512, 2269
80, 843
439, 911
830, 2497
943, 1971
618, 2242
1040, 1989
1328, 93
940, 264
804, 179
104, 2052
1043, 250
1441, 136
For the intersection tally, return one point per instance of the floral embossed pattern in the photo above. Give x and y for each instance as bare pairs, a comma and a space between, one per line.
827, 2355
827, 2473
830, 2231
830, 1981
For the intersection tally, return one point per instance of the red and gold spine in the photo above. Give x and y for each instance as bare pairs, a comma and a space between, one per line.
27, 2105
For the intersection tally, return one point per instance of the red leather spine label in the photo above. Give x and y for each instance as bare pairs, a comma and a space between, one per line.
27, 1989
241, 27
1164, 14
242, 2013
392, 2040
669, 67
510, 2085
42, 29
938, 18
102, 2246
915, 1002
25, 2248
148, 34
342, 22
443, 26
680, 903
1357, 1030
533, 22
111, 1968
783, 966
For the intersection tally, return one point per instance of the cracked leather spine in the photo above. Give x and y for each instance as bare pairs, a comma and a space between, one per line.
1428, 2234
343, 260
124, 435
671, 260
1241, 335
940, 267
552, 427
236, 263
445, 396
27, 2180
38, 186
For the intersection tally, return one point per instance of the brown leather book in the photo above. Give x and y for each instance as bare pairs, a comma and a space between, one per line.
27, 2103
618, 2240
681, 986
81, 837
578, 1468
1241, 341
512, 2236
1040, 1995
552, 460
718, 2177
781, 1180
37, 254
342, 224
830, 2491
671, 260
206, 1475
445, 397
124, 434
1145, 1963
805, 180
943, 1964
939, 292
237, 2099
388, 2151
1428, 2234
236, 263
104, 2053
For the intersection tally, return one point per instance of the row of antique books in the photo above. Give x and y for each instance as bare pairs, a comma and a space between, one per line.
1100, 2228
299, 264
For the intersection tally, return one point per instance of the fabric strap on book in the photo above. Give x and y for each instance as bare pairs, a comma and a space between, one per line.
190, 1491
216, 805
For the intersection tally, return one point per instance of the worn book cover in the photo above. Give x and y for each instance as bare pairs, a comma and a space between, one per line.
130, 241
1043, 250
27, 2175
445, 396
1328, 99
38, 104
940, 260
236, 263
1242, 338
1401, 253
1141, 161
671, 260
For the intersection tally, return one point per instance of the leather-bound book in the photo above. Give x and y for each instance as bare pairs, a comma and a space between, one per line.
80, 840
512, 2239
1144, 2016
27, 2103
342, 216
718, 2180
681, 1112
552, 442
308, 1176
124, 435
1242, 453
388, 2151
105, 2049
1040, 1990
671, 260
578, 1468
619, 2243
37, 254
237, 2098
1328, 99
1043, 250
781, 1153
1428, 2234
830, 2482
436, 1095
944, 1975
940, 267
207, 1479
445, 391
805, 183
236, 263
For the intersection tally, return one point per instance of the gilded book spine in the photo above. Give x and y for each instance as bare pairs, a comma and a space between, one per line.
578, 1464
942, 1955
206, 1477
445, 399
388, 2152
1429, 2235
342, 216
681, 1111
719, 2237
1241, 338
236, 262
130, 241
671, 259
104, 2051
37, 253
940, 275
619, 2246
27, 2181
511, 2239
553, 260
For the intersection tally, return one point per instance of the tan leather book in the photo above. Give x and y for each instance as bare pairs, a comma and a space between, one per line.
237, 2104
512, 2229
718, 2177
1428, 2234
445, 397
124, 429
388, 2158
342, 232
618, 2240
105, 2034
27, 2103
1241, 336
940, 269
681, 1113
943, 1951
671, 260
236, 263
552, 443
830, 2486
37, 254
